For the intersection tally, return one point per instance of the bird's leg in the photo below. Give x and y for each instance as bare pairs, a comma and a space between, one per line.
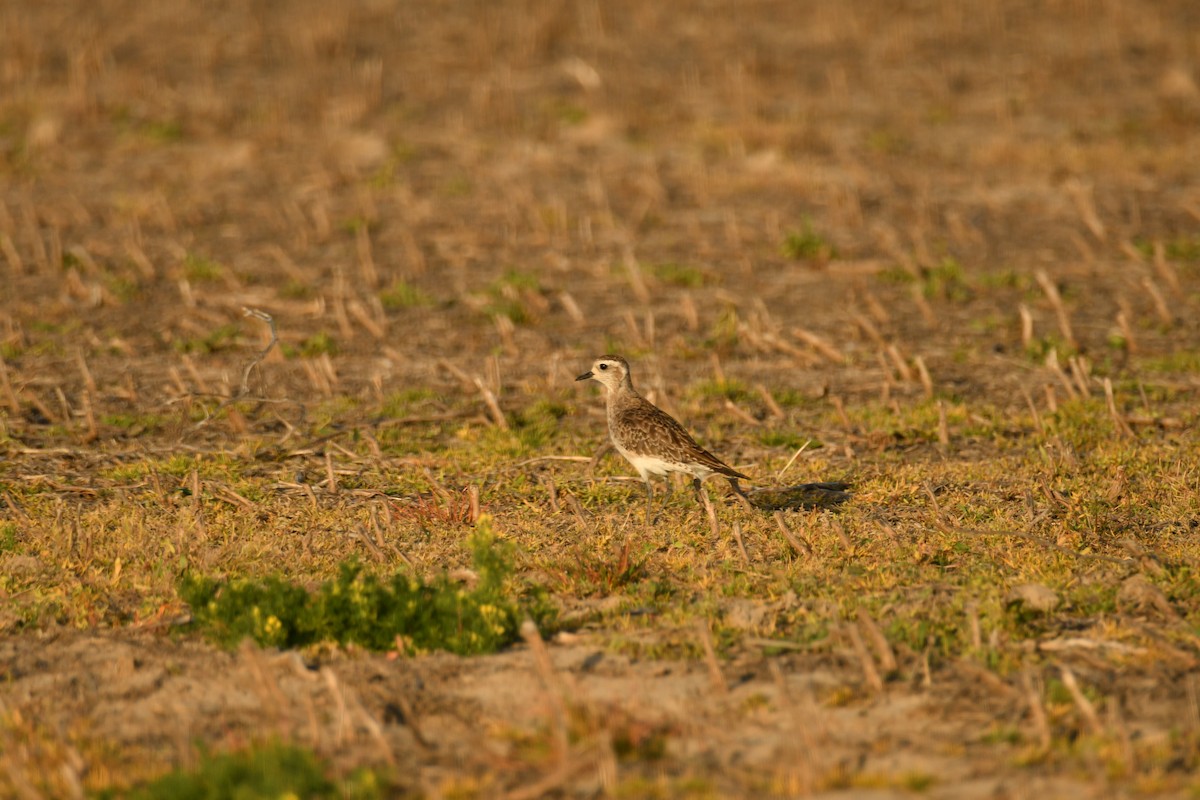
699, 487
737, 490
649, 502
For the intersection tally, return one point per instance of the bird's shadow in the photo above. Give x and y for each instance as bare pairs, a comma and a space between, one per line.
826, 494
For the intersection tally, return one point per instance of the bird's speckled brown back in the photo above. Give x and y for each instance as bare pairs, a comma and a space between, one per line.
638, 426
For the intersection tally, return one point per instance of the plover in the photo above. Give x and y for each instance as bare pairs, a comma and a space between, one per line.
649, 438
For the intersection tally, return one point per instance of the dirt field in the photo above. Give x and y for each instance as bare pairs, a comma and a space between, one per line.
948, 252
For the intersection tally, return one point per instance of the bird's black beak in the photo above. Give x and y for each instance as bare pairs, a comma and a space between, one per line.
584, 376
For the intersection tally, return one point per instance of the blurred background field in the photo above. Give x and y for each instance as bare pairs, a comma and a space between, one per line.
948, 252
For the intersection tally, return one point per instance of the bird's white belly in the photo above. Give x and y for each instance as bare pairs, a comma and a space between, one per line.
653, 465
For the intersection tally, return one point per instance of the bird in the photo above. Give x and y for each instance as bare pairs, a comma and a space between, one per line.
649, 438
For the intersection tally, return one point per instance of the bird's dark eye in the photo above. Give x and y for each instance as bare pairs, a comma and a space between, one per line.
604, 366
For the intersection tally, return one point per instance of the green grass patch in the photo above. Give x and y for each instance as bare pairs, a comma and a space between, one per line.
403, 295
793, 398
1181, 248
209, 465
402, 403
1083, 422
945, 280
920, 420
123, 288
266, 772
730, 388
568, 113
807, 245
320, 343
786, 439
221, 338
357, 223
296, 290
890, 142
8, 538
507, 296
680, 274
536, 425
1178, 361
1040, 347
895, 274
162, 131
360, 608
724, 331
198, 269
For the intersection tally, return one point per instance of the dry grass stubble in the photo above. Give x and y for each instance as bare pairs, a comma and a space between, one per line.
956, 254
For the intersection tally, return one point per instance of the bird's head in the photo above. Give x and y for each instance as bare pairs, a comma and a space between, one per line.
611, 371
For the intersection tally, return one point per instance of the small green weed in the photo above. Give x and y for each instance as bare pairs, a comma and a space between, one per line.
123, 288
538, 423
359, 608
680, 274
945, 281
786, 439
506, 296
320, 343
895, 274
1182, 248
401, 403
296, 290
458, 186
1178, 361
199, 269
791, 398
357, 223
221, 338
889, 142
808, 245
8, 538
724, 332
1083, 422
569, 113
1040, 347
402, 295
162, 131
519, 279
267, 772
1003, 734
730, 388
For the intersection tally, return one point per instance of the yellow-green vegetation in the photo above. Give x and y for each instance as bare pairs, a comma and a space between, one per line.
1182, 248
807, 244
200, 269
509, 296
221, 338
402, 294
321, 343
402, 613
892, 246
684, 275
266, 772
945, 280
